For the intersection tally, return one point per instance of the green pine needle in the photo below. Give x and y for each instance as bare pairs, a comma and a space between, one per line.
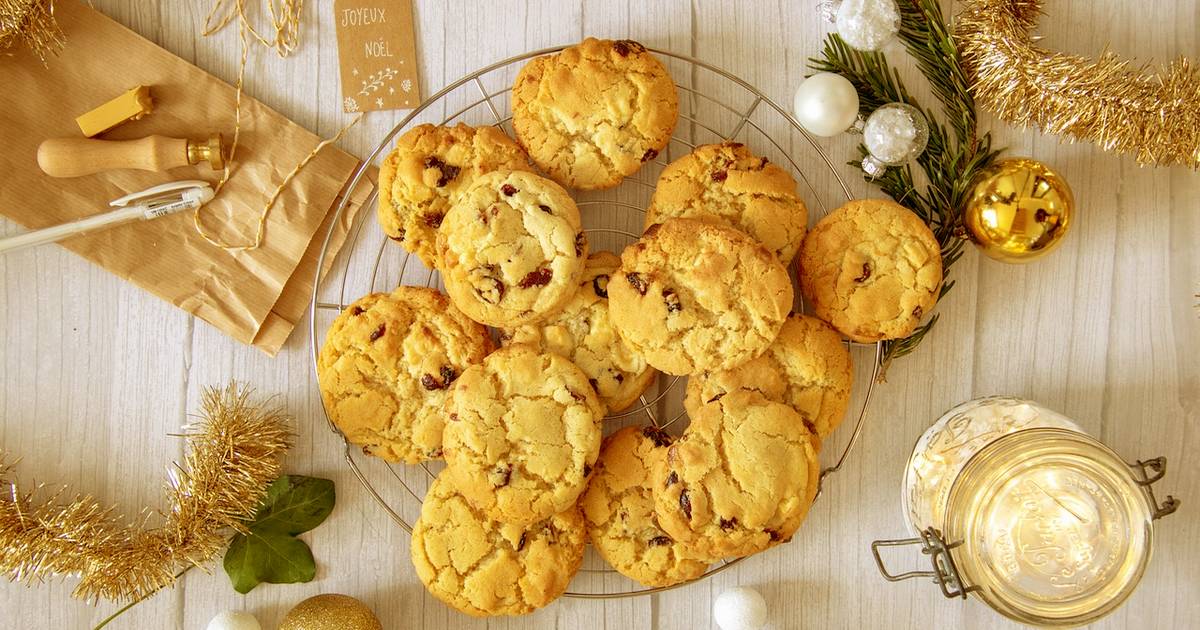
955, 154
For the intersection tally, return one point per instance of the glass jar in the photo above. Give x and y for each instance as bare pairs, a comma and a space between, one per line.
1016, 504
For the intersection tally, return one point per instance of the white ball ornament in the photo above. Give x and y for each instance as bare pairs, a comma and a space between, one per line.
234, 620
740, 608
826, 104
893, 135
867, 24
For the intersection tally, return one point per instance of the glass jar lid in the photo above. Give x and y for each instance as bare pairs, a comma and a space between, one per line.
1054, 528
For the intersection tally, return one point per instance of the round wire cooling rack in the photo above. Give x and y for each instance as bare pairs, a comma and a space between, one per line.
711, 100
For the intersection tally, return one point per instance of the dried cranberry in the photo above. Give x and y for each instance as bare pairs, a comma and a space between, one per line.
580, 243
762, 163
576, 397
727, 524
672, 479
448, 172
594, 383
600, 285
625, 46
660, 541
378, 332
483, 217
399, 238
551, 533
357, 310
672, 301
430, 383
717, 397
448, 375
773, 534
650, 231
454, 417
637, 282
508, 190
504, 475
659, 437
536, 278
545, 209
685, 504
650, 154
620, 378
719, 176
918, 312
434, 220
587, 469
866, 273
521, 543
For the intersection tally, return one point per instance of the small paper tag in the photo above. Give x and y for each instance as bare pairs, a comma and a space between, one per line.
377, 51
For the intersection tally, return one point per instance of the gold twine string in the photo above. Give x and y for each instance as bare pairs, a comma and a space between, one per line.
285, 25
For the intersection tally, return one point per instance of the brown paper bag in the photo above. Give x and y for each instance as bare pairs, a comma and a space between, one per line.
254, 296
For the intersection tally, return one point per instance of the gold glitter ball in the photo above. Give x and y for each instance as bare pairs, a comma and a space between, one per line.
1019, 210
330, 612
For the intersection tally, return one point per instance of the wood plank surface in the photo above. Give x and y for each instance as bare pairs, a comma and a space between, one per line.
94, 373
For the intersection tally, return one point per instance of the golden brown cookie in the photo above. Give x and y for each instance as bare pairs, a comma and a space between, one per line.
807, 367
386, 365
619, 509
583, 332
512, 249
739, 480
429, 167
522, 434
591, 115
727, 184
485, 567
871, 268
693, 296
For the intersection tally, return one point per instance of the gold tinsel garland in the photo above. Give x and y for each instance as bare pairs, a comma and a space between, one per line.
1155, 117
234, 452
32, 22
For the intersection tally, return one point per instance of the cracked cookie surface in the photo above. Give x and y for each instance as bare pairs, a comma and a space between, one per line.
429, 167
739, 480
693, 296
484, 567
522, 434
618, 508
727, 184
592, 114
512, 249
807, 367
582, 331
871, 268
387, 364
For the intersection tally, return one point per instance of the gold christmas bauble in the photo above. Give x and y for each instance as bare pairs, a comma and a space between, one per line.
1019, 210
330, 612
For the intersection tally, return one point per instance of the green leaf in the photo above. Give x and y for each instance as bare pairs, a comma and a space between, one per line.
268, 557
269, 551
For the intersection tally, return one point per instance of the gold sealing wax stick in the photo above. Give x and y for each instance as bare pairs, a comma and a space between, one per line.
131, 105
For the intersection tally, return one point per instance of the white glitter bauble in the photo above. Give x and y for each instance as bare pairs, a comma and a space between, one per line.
868, 24
740, 608
233, 620
893, 135
826, 104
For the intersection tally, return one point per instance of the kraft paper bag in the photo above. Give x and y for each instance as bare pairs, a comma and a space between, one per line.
253, 296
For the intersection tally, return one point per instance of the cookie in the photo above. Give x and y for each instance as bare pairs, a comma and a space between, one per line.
429, 167
522, 434
386, 366
583, 332
591, 115
693, 296
727, 184
807, 367
739, 480
618, 508
512, 249
485, 567
871, 268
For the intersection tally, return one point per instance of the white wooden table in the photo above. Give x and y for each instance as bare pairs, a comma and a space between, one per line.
95, 373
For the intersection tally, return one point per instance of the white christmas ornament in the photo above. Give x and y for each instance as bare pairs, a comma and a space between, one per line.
234, 620
867, 24
826, 104
740, 608
893, 135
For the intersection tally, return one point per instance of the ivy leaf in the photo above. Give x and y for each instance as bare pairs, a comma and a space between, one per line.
269, 551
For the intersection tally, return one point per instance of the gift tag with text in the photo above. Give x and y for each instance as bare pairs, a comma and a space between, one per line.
377, 52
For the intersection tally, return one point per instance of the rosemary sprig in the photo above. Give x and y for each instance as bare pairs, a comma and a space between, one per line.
956, 152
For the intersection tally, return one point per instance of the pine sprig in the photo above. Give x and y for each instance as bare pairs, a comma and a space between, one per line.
955, 153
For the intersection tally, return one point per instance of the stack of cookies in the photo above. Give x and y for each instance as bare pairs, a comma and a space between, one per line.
415, 375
